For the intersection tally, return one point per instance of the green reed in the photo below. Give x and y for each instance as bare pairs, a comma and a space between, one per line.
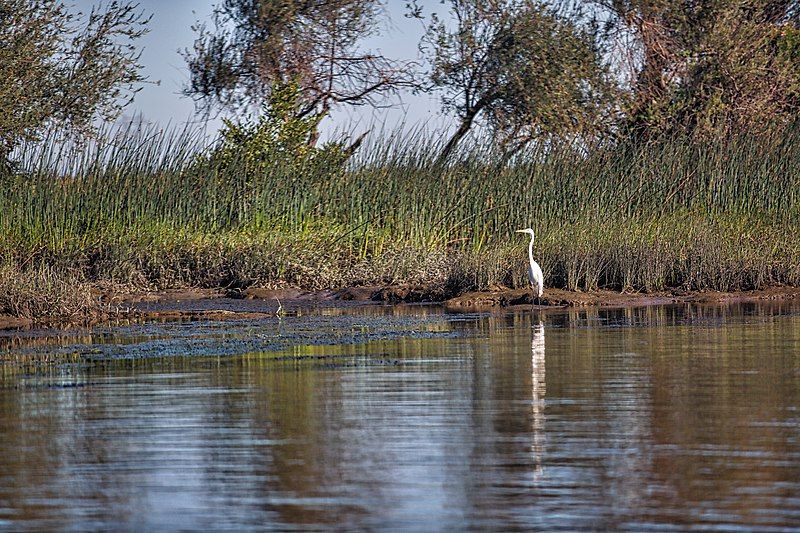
140, 207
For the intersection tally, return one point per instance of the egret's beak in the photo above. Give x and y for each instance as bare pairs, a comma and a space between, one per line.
520, 231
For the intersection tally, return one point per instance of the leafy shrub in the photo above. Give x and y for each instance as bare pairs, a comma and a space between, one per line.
280, 133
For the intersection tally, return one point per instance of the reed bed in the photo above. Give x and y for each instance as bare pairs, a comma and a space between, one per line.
142, 209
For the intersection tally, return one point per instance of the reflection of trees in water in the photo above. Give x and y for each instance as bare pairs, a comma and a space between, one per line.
538, 390
643, 422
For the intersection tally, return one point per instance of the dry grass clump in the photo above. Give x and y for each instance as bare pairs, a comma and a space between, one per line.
44, 293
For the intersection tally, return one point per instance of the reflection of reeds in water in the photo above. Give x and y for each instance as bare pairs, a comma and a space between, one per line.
538, 390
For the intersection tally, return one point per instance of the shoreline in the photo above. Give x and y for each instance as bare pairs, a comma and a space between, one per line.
254, 303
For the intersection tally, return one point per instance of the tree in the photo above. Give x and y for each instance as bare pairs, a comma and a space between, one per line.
58, 69
278, 133
260, 44
706, 67
517, 65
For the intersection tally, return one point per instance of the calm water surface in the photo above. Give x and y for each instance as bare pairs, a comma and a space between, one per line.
408, 418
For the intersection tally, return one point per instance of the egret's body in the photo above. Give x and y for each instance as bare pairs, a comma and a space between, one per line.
535, 275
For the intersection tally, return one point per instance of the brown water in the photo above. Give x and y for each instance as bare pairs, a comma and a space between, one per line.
408, 418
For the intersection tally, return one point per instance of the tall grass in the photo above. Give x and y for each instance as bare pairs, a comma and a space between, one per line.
140, 208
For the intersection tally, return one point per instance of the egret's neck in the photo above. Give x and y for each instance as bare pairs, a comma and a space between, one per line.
530, 249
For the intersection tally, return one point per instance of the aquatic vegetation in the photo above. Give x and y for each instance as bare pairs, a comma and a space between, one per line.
139, 210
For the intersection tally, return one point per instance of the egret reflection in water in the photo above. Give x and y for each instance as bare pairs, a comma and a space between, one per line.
538, 390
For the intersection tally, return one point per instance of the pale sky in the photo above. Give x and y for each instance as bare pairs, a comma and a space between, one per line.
170, 31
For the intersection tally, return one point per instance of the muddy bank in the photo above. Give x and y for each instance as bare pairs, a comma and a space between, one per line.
270, 301
253, 303
485, 300
373, 293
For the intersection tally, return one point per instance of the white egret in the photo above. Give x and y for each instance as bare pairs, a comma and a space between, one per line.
535, 275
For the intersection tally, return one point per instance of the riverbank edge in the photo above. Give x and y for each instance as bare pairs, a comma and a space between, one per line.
178, 303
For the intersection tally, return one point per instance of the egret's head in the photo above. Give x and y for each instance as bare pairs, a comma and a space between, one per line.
529, 231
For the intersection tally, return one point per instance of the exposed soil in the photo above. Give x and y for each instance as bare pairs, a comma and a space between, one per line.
169, 302
477, 301
172, 295
218, 304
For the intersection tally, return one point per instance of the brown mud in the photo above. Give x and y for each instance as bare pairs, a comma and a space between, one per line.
173, 303
487, 300
219, 304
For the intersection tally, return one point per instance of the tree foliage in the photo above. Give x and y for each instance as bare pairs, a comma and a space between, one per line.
278, 133
706, 67
256, 44
58, 68
518, 66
